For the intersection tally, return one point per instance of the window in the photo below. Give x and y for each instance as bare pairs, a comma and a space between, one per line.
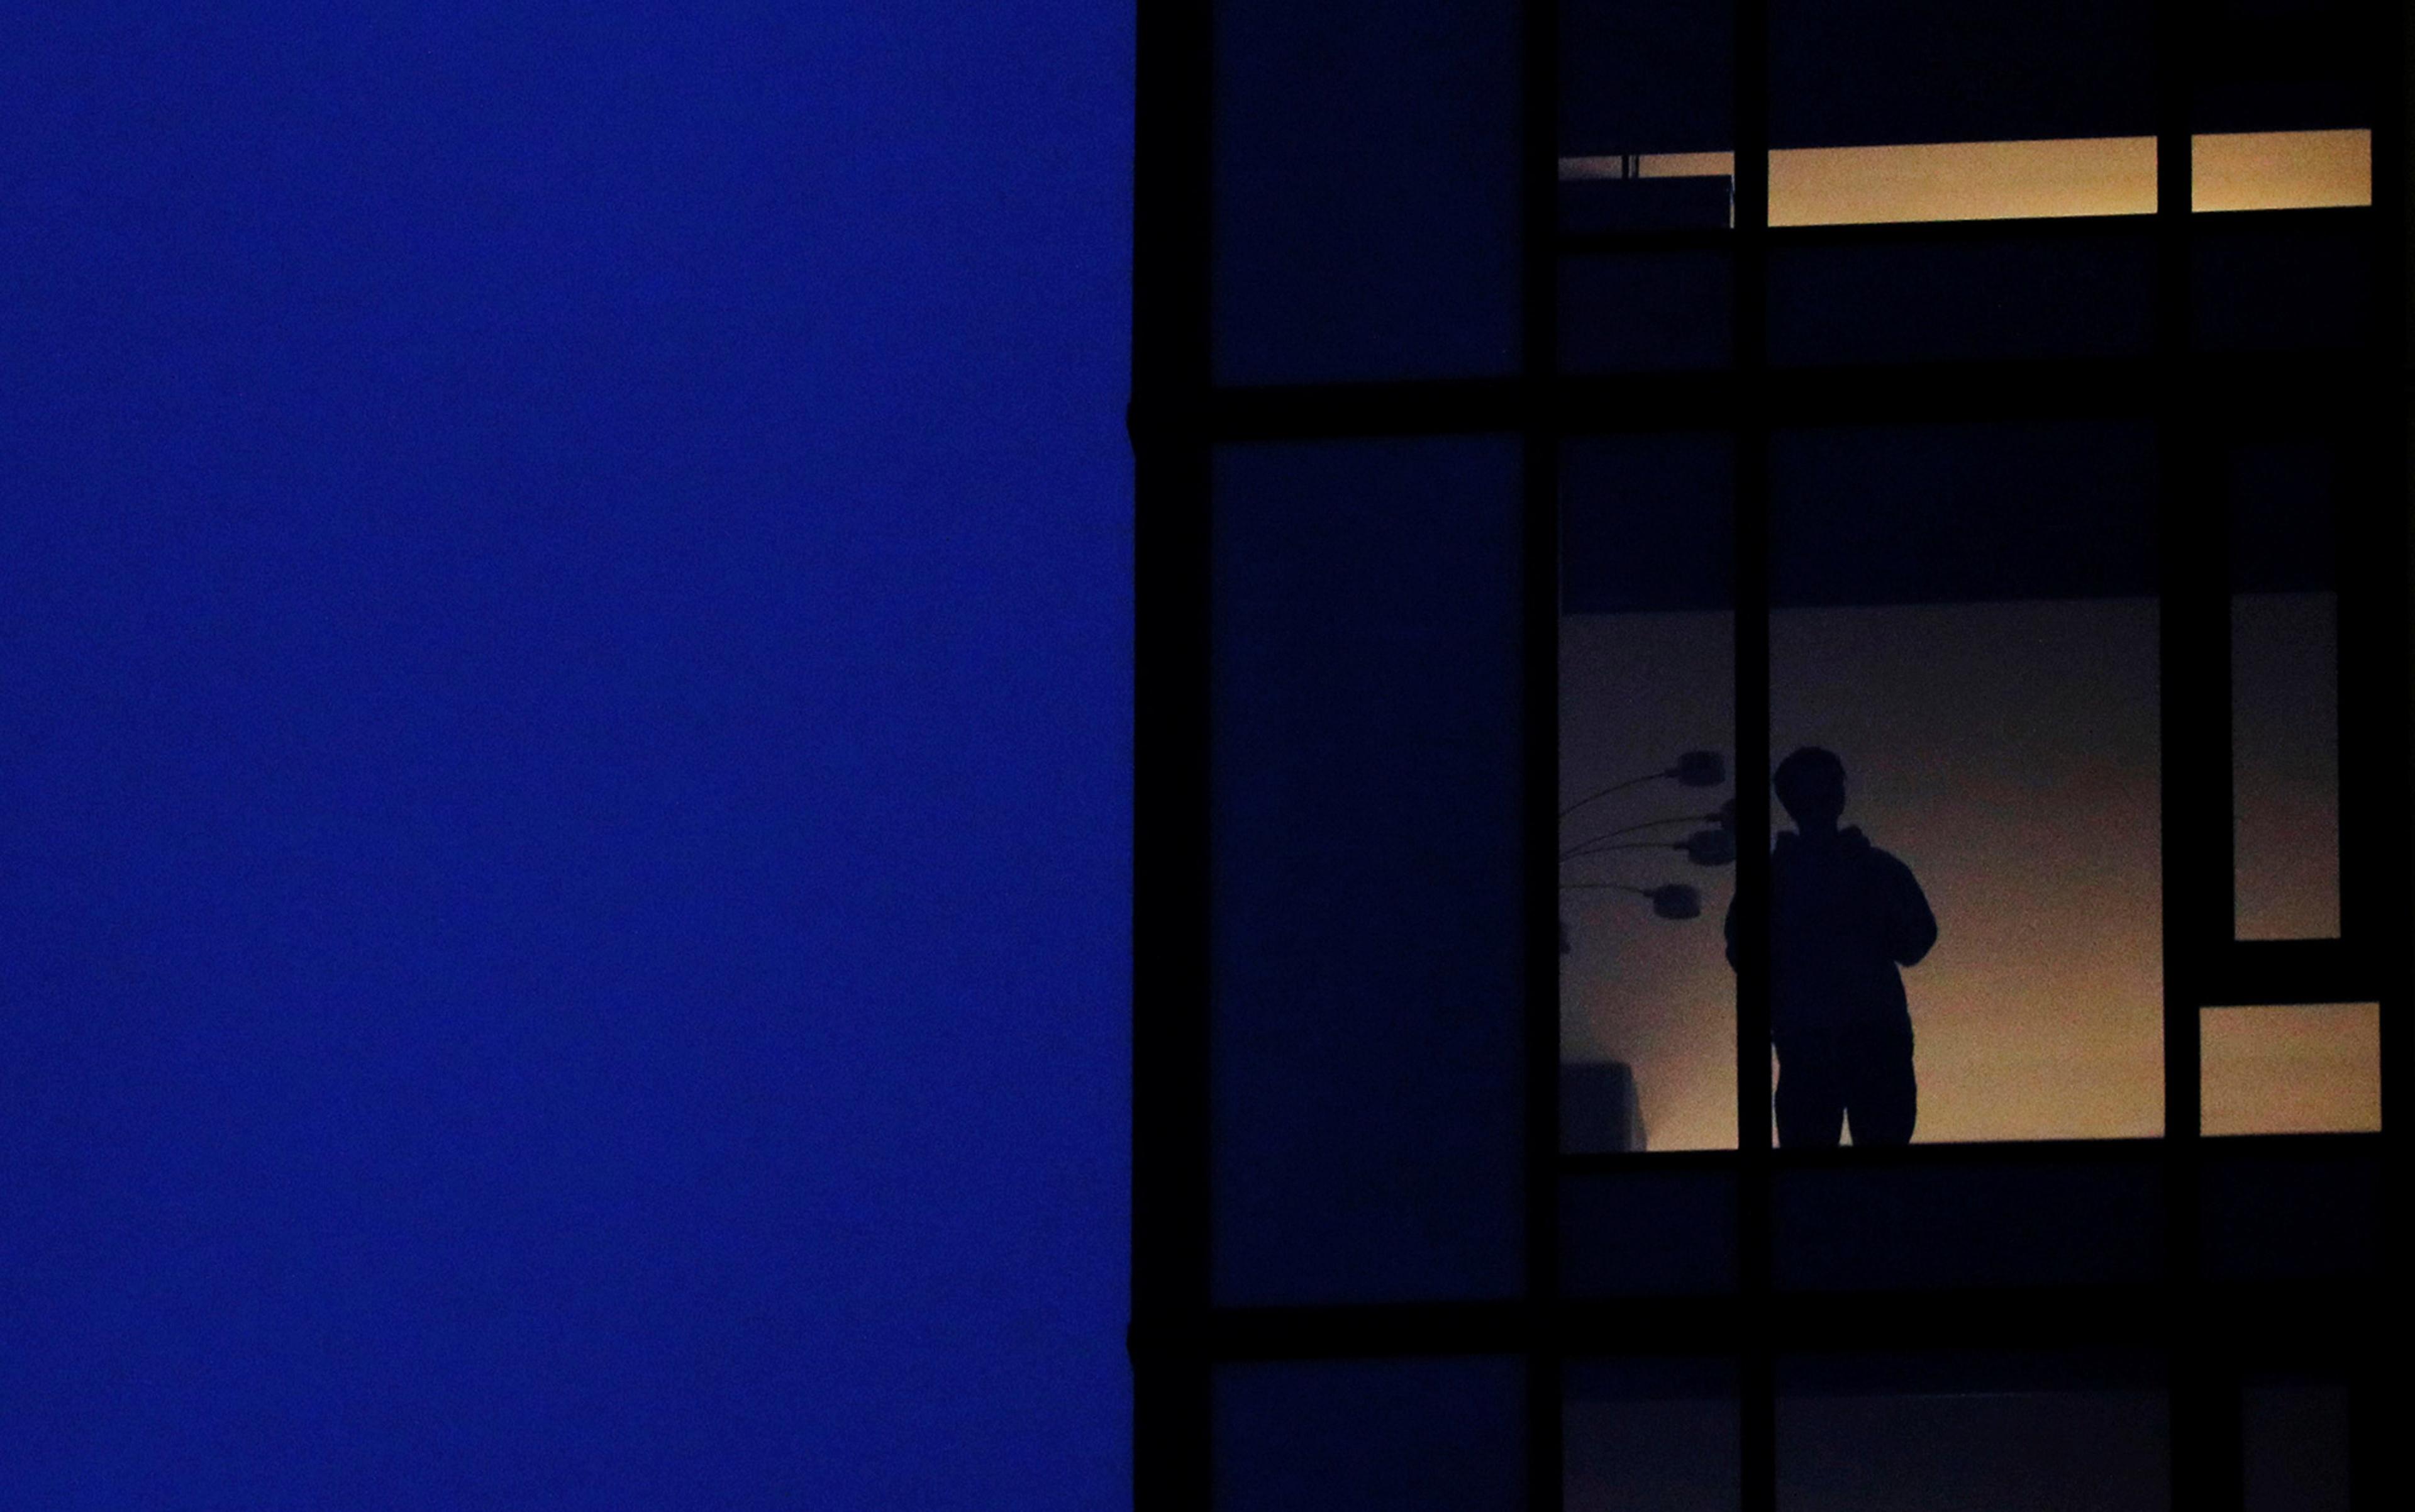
1985, 417
1646, 820
2308, 1069
2017, 1433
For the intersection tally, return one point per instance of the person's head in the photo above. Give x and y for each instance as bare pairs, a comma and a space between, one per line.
1811, 783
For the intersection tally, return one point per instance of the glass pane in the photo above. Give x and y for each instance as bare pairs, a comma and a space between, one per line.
1645, 311
1368, 908
1968, 932
2285, 693
2306, 1069
1647, 709
2295, 1438
1608, 197
1863, 72
2005, 1435
1394, 1435
2005, 295
1907, 111
1646, 77
1648, 1231
2298, 281
1366, 189
1646, 121
2291, 1209
2020, 1222
2271, 65
1651, 1436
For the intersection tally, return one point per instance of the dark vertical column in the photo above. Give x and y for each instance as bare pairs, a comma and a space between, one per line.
1757, 1400
1539, 161
2209, 1438
2370, 569
2374, 566
2195, 647
2380, 919
2194, 672
1170, 165
2376, 1420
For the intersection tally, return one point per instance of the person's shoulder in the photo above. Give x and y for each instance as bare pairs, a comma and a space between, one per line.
1872, 855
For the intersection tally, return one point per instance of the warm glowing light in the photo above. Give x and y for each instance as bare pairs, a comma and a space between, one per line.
2281, 170
2009, 753
1962, 181
2027, 180
2312, 1069
2006, 752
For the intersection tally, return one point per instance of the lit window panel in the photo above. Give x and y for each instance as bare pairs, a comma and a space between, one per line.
1944, 181
2306, 1069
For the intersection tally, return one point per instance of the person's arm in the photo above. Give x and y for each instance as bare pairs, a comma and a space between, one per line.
1911, 929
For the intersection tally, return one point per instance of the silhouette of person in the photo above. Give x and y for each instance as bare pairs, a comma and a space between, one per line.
1845, 915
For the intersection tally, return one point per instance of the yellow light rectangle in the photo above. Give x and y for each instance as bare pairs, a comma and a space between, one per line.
2311, 1068
1962, 181
2281, 170
2027, 180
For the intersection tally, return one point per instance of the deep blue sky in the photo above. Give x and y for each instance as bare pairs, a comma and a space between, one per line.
564, 672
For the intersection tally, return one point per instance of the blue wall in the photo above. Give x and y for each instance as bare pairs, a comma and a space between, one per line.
563, 713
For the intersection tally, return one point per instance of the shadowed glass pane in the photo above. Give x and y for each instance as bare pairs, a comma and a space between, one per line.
1366, 189
1660, 1435
1859, 72
1367, 911
2032, 294
1648, 1230
1392, 1436
2285, 64
2285, 692
1983, 1221
2295, 1438
1645, 124
1646, 76
1645, 311
2287, 282
2029, 1434
2291, 1209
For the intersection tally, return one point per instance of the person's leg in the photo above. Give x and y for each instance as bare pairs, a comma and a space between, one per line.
1811, 1101
1881, 1096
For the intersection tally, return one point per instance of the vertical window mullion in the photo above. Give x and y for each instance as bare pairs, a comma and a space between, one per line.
2376, 885
1166, 421
1539, 263
2374, 567
2195, 676
1757, 1387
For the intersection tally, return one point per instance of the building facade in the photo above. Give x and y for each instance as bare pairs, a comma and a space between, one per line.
1547, 416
